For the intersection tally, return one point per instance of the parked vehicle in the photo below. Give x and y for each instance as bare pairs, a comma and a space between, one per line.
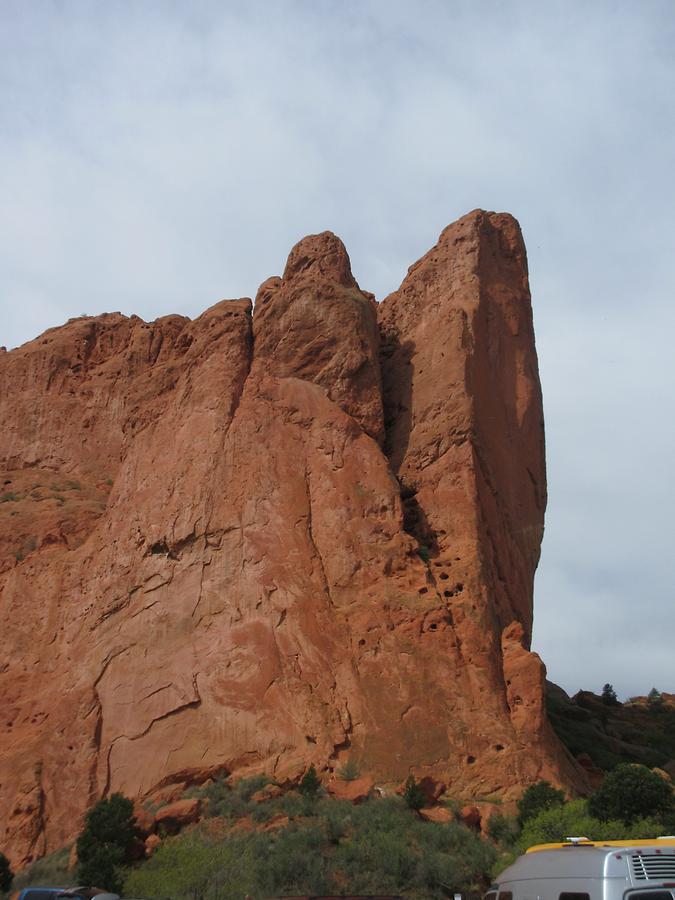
579, 869
61, 893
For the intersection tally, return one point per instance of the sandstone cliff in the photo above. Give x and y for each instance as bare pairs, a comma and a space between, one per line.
271, 537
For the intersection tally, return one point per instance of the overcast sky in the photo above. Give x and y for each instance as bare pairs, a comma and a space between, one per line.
156, 157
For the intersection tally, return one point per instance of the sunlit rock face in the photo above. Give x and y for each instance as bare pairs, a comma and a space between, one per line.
273, 537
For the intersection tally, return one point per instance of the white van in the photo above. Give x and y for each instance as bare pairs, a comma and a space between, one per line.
585, 870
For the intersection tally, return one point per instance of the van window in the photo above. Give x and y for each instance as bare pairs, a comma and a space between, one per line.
505, 895
573, 896
651, 895
491, 895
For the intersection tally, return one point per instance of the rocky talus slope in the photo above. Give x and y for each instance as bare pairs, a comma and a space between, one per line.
277, 535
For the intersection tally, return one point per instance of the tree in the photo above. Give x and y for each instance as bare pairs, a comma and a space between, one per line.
654, 699
413, 794
573, 818
6, 874
608, 696
631, 792
310, 784
538, 797
106, 843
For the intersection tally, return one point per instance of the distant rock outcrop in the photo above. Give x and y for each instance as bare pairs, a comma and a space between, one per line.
260, 540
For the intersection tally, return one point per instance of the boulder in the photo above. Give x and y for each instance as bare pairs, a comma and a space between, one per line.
175, 816
471, 817
269, 792
152, 842
440, 814
145, 820
356, 791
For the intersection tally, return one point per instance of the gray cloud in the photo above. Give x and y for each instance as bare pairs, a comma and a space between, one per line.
155, 157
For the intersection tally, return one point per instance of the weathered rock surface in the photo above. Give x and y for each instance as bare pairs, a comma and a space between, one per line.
252, 543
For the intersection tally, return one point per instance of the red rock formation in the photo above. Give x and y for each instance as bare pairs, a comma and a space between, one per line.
206, 564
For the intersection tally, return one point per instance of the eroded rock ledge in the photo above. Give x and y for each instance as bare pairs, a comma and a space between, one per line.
259, 540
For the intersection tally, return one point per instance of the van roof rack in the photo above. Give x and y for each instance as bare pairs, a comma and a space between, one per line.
667, 840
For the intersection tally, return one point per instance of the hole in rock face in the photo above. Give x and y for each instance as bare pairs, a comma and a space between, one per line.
447, 593
8, 481
159, 547
362, 642
499, 746
471, 760
423, 590
310, 739
444, 576
433, 626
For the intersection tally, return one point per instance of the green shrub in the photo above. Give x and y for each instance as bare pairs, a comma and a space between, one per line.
413, 795
106, 843
629, 793
6, 874
608, 696
503, 830
52, 869
232, 801
654, 699
574, 819
310, 784
379, 846
191, 867
350, 771
538, 797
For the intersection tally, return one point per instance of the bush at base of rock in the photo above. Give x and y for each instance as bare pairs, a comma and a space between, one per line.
631, 792
106, 844
556, 824
6, 874
172, 818
380, 847
536, 798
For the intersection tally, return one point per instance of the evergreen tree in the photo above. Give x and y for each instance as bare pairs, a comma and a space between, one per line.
609, 697
536, 798
631, 792
106, 843
310, 784
414, 796
6, 874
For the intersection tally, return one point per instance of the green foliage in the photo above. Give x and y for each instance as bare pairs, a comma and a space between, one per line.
538, 797
424, 553
655, 700
574, 820
413, 795
232, 801
6, 874
379, 846
310, 784
51, 869
630, 793
613, 734
608, 696
106, 843
503, 830
350, 770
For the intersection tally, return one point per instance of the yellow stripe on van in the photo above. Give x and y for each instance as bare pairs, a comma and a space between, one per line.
650, 842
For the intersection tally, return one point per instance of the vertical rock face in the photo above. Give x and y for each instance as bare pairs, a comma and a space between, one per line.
252, 543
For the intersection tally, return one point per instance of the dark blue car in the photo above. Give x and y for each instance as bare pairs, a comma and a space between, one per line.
60, 893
